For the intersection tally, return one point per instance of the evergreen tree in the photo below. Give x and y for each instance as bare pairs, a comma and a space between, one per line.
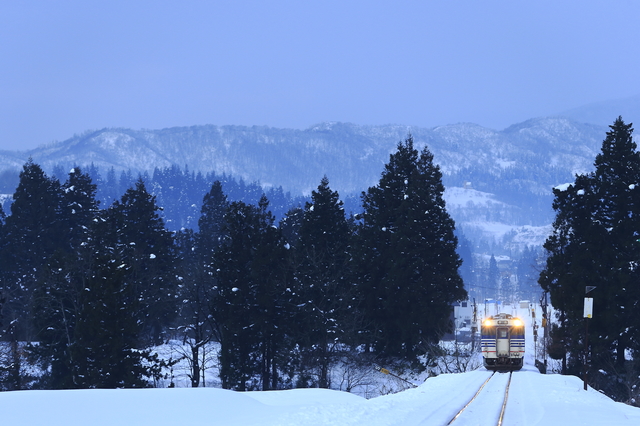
527, 271
148, 253
125, 182
274, 302
172, 187
235, 301
195, 312
466, 270
128, 297
594, 243
249, 307
198, 278
290, 225
107, 349
322, 279
10, 377
214, 207
60, 298
570, 253
109, 191
49, 229
409, 268
494, 283
33, 232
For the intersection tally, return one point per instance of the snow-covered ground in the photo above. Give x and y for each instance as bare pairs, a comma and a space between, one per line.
534, 399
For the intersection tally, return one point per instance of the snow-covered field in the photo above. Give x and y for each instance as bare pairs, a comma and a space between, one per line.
534, 399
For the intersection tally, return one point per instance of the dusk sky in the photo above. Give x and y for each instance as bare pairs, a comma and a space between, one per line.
71, 66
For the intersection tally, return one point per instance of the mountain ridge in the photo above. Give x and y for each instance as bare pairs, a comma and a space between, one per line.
351, 155
512, 171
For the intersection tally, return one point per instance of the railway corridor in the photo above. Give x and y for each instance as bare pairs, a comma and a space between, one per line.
488, 405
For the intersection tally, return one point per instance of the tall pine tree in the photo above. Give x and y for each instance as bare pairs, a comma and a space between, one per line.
323, 283
595, 243
108, 352
409, 269
148, 252
128, 297
198, 278
33, 232
69, 268
250, 306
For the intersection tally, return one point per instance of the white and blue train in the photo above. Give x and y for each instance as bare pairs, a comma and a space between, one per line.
502, 342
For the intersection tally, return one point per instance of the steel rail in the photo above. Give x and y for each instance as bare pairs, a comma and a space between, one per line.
504, 402
471, 400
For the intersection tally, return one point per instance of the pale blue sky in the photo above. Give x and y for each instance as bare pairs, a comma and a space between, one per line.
70, 66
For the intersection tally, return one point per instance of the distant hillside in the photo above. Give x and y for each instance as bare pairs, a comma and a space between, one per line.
511, 172
534, 152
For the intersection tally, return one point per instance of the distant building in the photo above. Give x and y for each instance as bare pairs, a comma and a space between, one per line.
463, 314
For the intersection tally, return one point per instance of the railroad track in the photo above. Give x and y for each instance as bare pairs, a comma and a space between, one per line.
496, 385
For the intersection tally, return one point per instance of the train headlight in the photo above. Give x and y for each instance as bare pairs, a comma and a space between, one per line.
517, 322
487, 322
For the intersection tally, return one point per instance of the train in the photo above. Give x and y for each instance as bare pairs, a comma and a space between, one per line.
502, 342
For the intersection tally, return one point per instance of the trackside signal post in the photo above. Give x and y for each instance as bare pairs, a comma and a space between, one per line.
588, 314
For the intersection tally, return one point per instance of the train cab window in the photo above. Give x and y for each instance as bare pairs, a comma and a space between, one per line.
503, 333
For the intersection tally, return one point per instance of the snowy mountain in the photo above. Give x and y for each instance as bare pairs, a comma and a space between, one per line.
350, 155
510, 172
481, 216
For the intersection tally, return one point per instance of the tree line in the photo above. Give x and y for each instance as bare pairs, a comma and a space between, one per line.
93, 289
178, 190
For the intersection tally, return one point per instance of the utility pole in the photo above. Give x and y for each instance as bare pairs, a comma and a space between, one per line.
588, 314
474, 326
545, 327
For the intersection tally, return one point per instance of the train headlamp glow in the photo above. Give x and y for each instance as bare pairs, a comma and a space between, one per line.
487, 322
517, 322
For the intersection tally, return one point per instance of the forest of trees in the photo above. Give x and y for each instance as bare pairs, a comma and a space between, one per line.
179, 191
596, 243
92, 289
